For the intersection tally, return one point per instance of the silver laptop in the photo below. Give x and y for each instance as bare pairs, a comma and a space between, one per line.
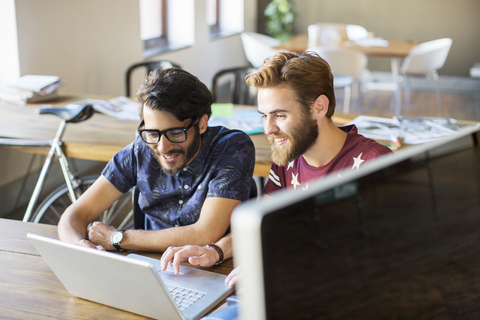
133, 283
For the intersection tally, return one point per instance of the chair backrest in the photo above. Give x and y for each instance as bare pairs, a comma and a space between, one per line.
229, 87
258, 47
323, 33
355, 32
149, 67
343, 62
427, 57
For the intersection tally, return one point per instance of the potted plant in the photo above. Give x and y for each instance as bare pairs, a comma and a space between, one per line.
279, 16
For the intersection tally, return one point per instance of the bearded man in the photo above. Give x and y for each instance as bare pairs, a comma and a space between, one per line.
297, 100
189, 176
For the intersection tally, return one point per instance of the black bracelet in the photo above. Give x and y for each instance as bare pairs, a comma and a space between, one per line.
219, 251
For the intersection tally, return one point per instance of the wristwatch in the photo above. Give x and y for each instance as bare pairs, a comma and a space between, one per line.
219, 251
116, 238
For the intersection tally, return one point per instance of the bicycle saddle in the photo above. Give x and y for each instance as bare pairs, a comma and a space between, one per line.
79, 114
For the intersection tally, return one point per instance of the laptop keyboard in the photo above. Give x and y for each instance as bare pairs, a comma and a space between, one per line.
184, 297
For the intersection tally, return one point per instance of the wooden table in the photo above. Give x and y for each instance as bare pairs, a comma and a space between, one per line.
101, 136
98, 138
30, 290
396, 50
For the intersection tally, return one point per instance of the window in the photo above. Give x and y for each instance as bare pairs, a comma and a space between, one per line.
153, 24
166, 25
225, 17
9, 58
213, 16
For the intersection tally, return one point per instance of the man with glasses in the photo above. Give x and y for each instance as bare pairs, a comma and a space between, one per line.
189, 176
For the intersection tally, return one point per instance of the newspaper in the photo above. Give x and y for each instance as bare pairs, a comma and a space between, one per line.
408, 130
119, 107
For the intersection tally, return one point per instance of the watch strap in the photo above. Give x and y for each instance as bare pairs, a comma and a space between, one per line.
219, 251
118, 247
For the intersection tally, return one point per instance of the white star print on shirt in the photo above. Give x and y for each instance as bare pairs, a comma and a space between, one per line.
295, 181
290, 164
357, 161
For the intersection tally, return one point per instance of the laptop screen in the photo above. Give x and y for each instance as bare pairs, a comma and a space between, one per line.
399, 239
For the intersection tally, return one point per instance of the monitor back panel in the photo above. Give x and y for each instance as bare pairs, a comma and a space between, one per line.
403, 242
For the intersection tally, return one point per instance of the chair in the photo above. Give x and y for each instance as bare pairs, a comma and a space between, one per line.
332, 33
229, 87
347, 66
355, 32
425, 59
150, 66
258, 47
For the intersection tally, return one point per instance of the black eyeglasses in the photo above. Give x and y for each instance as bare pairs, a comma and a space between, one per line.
175, 135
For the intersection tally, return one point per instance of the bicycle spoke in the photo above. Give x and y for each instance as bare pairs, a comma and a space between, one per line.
114, 213
119, 215
126, 220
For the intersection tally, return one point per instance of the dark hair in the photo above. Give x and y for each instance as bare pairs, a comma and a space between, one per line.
306, 73
176, 91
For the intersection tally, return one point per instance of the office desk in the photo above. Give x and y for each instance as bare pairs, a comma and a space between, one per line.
396, 50
98, 138
30, 290
101, 136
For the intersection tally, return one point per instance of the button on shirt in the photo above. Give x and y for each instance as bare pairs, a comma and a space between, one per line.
222, 168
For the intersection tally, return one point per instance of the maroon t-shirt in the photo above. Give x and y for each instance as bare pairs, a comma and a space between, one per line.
355, 152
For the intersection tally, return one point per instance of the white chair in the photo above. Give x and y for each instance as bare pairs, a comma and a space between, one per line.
332, 33
258, 47
425, 59
323, 33
355, 32
347, 66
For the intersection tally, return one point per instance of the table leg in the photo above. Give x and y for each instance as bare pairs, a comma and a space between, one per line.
394, 61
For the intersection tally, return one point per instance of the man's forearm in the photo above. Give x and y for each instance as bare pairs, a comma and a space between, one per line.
70, 229
160, 240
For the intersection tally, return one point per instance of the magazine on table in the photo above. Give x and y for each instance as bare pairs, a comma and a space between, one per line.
408, 130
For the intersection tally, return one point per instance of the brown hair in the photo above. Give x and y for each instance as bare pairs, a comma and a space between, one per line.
306, 73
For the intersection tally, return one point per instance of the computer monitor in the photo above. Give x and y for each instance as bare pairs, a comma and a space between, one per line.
397, 239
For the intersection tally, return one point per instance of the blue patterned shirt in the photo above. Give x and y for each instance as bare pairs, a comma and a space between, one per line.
222, 168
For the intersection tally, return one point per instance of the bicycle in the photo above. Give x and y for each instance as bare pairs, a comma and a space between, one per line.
119, 215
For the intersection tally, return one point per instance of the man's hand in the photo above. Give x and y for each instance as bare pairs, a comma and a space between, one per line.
232, 277
99, 234
196, 255
88, 244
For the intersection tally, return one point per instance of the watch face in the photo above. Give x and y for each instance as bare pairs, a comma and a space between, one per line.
117, 237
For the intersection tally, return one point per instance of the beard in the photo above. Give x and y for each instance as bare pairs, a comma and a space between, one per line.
302, 138
188, 155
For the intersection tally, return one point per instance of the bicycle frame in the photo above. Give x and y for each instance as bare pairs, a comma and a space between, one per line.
55, 149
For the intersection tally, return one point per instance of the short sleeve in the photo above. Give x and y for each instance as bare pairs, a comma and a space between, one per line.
121, 170
233, 167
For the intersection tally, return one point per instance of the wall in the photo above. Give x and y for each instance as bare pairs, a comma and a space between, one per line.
91, 43
407, 19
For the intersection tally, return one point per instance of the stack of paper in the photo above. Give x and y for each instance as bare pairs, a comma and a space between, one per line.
410, 130
119, 107
371, 42
31, 88
246, 119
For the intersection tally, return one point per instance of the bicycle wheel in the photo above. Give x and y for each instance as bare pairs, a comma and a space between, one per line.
119, 215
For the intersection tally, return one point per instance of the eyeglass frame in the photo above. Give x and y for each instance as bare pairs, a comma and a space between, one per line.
163, 132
